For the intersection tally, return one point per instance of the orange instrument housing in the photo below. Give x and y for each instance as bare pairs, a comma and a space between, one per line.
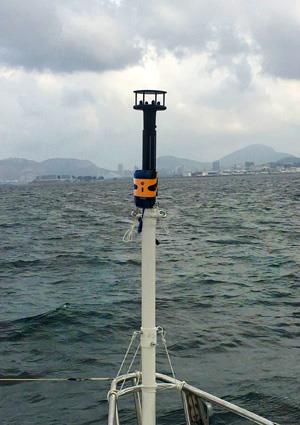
145, 188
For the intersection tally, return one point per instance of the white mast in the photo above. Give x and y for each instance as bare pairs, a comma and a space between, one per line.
148, 329
145, 191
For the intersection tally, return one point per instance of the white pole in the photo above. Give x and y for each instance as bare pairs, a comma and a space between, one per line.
148, 329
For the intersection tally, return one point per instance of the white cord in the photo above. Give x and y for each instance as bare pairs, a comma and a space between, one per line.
164, 341
137, 215
53, 379
135, 333
161, 215
129, 234
131, 364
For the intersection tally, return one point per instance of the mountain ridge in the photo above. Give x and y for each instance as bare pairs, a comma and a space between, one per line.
257, 153
168, 163
24, 170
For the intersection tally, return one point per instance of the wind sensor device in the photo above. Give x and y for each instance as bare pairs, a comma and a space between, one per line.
145, 180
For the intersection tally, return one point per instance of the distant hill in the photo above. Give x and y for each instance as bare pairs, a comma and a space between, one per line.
74, 167
17, 168
289, 161
167, 165
259, 154
21, 169
24, 170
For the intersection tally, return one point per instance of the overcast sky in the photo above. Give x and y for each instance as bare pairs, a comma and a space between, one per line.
68, 69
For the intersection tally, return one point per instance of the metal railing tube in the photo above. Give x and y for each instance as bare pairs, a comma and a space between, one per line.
113, 395
138, 388
137, 403
181, 386
217, 401
112, 409
112, 400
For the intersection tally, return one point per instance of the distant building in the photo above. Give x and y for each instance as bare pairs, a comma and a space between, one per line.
121, 169
198, 174
48, 177
179, 171
66, 178
216, 166
249, 165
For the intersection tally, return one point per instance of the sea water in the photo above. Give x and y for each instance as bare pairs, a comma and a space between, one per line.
228, 295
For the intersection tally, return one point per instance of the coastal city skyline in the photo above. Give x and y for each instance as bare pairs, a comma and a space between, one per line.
119, 161
253, 159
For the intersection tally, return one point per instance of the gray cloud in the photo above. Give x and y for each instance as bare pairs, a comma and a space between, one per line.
279, 43
77, 97
71, 35
42, 34
68, 68
226, 30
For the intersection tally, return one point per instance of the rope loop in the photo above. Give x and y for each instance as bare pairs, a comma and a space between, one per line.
136, 224
112, 392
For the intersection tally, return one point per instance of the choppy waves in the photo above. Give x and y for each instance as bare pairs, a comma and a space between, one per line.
227, 294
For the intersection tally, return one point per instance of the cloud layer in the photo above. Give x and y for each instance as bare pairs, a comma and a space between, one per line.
68, 68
